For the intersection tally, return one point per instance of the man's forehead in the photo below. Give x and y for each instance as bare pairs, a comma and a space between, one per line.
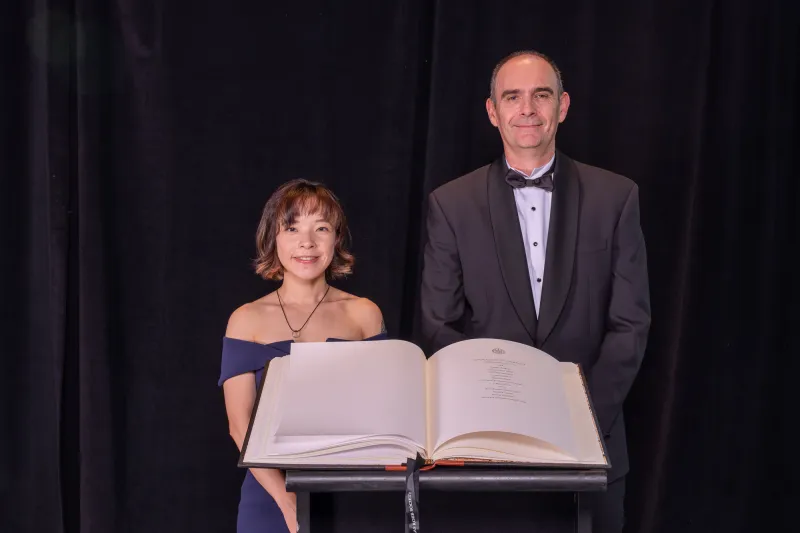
527, 70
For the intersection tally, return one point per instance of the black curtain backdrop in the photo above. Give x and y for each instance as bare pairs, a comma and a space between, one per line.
139, 140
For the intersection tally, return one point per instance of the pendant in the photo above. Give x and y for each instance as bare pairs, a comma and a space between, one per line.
295, 334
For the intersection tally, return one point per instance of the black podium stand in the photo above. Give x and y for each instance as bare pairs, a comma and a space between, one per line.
561, 493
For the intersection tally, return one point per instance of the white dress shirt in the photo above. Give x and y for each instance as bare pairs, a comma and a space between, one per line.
533, 209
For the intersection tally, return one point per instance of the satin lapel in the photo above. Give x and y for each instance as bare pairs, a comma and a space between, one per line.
509, 246
561, 243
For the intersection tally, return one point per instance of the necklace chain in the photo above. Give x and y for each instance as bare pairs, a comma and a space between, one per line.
296, 332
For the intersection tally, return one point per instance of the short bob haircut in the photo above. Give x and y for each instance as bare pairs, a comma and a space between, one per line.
292, 199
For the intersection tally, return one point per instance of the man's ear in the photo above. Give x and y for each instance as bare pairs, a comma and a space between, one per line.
491, 111
563, 107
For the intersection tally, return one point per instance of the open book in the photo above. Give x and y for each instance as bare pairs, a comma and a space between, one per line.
379, 403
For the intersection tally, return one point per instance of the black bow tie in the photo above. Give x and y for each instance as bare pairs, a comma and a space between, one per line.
518, 181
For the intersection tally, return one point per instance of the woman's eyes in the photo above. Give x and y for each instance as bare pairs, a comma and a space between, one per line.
292, 229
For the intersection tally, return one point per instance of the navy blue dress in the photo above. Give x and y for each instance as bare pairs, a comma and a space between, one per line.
258, 512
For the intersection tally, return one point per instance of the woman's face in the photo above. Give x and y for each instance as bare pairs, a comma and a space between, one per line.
306, 248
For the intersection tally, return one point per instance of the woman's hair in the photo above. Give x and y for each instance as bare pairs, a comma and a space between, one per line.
292, 199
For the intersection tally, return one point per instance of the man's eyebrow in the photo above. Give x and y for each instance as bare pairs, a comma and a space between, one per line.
509, 92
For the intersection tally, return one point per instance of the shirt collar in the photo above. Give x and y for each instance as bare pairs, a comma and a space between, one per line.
537, 172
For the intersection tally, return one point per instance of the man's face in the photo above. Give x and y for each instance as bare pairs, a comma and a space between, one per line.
527, 108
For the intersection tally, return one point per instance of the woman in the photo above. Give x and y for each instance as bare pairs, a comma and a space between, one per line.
301, 240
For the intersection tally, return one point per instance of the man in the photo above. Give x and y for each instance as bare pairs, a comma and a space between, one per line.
540, 249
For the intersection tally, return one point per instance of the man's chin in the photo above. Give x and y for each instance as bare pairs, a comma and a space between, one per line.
529, 145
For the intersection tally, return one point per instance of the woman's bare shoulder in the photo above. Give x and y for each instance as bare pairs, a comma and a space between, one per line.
365, 313
246, 321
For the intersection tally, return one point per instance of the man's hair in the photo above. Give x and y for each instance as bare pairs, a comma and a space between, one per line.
519, 53
292, 199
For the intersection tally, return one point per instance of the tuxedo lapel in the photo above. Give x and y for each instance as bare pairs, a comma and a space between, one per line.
509, 246
561, 242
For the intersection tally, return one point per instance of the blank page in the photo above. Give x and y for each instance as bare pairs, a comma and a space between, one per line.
354, 388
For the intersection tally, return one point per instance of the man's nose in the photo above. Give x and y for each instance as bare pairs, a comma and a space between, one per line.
528, 107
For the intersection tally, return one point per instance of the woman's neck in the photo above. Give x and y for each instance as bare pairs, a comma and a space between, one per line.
295, 291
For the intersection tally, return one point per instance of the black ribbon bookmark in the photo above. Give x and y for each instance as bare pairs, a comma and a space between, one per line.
412, 493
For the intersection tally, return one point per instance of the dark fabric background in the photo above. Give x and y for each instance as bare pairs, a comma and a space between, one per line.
140, 139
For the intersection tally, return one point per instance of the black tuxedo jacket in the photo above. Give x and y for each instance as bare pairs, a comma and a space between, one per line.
595, 305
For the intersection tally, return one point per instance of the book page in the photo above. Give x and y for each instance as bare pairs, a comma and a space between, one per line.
495, 446
354, 388
378, 455
488, 385
261, 432
587, 435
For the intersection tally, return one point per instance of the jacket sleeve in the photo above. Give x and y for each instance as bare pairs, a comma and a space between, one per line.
628, 318
442, 292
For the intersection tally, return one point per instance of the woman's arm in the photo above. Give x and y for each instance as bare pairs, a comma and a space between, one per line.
240, 397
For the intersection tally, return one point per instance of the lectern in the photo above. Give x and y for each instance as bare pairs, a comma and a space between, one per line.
502, 437
507, 499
